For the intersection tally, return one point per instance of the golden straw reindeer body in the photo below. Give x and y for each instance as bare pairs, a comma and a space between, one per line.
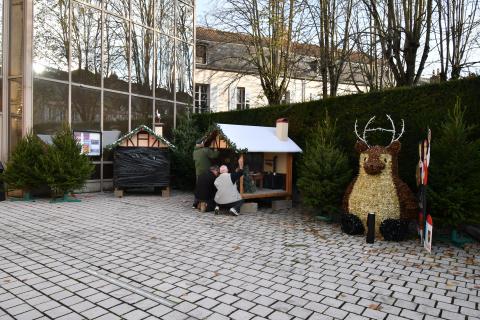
378, 188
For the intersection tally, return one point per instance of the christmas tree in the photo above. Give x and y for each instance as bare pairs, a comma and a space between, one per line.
64, 167
22, 168
248, 183
454, 172
324, 171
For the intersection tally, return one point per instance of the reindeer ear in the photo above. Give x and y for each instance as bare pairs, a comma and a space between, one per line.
361, 146
394, 147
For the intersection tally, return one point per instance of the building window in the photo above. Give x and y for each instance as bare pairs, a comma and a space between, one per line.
286, 98
201, 54
202, 101
242, 102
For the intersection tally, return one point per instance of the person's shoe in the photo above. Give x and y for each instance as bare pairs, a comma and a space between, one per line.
233, 211
203, 207
217, 210
194, 207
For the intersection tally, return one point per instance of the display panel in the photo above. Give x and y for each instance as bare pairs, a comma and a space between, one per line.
91, 142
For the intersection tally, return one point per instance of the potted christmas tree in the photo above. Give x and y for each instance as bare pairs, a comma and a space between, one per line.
22, 168
64, 167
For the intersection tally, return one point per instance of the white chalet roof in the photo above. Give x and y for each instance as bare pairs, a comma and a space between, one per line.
257, 139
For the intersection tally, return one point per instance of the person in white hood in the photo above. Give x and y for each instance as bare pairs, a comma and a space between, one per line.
227, 193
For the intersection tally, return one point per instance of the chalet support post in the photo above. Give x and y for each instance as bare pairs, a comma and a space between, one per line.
241, 185
118, 193
166, 192
289, 177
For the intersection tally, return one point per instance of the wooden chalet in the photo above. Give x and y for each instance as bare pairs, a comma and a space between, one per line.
268, 155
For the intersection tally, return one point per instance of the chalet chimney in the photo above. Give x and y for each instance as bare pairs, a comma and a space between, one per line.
282, 129
158, 126
159, 129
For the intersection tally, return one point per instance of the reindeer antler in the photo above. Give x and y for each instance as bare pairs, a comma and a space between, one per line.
393, 129
366, 129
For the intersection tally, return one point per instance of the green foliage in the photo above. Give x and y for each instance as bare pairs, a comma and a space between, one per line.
248, 183
420, 107
454, 176
64, 168
324, 171
184, 138
22, 167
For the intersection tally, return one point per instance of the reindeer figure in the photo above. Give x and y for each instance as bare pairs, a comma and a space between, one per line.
378, 188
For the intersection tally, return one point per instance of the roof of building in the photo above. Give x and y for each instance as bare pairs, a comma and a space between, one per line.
257, 139
228, 51
135, 131
215, 35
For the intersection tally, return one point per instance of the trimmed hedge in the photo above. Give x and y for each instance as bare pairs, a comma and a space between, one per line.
420, 107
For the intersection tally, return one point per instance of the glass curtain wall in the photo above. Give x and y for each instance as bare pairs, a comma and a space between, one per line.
2, 140
15, 72
111, 64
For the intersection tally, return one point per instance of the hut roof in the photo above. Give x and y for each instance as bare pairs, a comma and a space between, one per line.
135, 131
257, 139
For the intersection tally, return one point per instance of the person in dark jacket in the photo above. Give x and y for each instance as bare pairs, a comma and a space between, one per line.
202, 156
205, 189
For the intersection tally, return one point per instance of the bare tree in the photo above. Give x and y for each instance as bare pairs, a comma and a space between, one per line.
269, 30
457, 35
369, 71
403, 28
331, 22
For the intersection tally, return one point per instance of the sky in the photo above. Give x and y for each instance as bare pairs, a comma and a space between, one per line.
203, 7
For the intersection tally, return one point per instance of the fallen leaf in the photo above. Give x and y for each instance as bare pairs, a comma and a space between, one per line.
375, 306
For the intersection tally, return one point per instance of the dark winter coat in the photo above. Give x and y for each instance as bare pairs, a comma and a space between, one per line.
202, 156
205, 188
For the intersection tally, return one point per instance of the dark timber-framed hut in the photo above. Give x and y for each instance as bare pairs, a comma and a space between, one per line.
141, 158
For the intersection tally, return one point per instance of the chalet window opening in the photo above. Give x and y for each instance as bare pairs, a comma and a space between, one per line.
202, 98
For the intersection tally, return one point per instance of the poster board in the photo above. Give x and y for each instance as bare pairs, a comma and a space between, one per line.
91, 142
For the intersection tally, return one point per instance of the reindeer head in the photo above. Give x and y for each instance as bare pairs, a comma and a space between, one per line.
375, 159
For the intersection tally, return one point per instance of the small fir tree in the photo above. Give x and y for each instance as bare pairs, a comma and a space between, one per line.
454, 172
22, 168
184, 137
248, 183
324, 170
64, 167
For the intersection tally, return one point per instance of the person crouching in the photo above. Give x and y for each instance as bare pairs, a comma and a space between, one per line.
227, 193
205, 189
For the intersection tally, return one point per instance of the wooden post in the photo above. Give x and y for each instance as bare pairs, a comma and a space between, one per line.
241, 185
289, 177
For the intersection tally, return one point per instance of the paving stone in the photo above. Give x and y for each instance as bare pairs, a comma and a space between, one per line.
224, 309
277, 315
241, 315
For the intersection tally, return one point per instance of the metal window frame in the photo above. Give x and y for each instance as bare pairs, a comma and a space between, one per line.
5, 61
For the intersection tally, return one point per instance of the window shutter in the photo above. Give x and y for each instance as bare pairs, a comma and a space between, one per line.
213, 98
247, 99
233, 98
292, 95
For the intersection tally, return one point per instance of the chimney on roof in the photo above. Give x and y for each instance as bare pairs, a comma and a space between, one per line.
282, 129
158, 124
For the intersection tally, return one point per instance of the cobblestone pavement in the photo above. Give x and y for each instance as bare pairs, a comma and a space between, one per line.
147, 257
